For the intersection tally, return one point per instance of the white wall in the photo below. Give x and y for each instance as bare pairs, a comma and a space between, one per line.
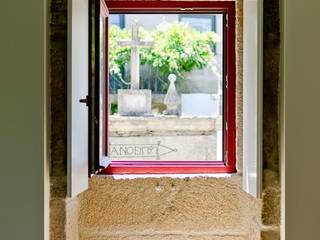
300, 118
22, 120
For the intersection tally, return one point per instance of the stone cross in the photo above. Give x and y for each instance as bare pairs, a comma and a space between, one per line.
135, 43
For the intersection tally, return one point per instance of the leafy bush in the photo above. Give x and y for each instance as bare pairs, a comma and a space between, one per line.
177, 49
118, 56
114, 108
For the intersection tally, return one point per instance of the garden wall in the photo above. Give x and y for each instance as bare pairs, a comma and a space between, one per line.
164, 138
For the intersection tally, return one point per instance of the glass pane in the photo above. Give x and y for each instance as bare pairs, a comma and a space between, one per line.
165, 89
201, 23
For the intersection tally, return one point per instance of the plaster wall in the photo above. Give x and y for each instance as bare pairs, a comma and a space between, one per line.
23, 172
300, 119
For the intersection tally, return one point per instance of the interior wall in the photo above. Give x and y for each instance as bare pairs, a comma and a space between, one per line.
300, 118
23, 171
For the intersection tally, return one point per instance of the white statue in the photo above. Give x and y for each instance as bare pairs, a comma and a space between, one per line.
172, 98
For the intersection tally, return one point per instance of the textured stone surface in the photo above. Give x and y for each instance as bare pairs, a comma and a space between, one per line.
166, 206
160, 125
133, 102
58, 92
64, 218
72, 215
58, 83
58, 187
255, 229
271, 205
57, 219
168, 236
271, 65
271, 234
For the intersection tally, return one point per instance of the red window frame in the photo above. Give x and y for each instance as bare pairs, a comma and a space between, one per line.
228, 163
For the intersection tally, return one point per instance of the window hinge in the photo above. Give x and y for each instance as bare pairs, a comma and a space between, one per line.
227, 20
227, 81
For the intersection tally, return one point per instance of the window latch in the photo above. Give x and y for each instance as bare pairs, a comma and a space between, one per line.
85, 100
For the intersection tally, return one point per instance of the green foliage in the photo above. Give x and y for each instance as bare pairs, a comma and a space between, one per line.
118, 56
114, 108
177, 49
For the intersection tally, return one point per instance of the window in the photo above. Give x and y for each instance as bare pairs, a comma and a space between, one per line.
98, 117
117, 19
200, 22
140, 133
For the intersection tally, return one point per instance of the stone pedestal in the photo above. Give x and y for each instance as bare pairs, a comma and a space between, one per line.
134, 102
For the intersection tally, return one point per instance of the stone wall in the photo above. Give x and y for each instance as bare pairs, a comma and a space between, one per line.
58, 85
271, 168
64, 212
166, 148
166, 208
165, 138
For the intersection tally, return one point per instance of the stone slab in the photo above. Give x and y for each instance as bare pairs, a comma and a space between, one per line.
166, 208
200, 105
163, 125
134, 102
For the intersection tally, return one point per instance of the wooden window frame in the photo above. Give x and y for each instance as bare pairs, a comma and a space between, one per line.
228, 164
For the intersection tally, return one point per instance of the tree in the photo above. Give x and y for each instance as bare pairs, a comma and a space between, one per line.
178, 49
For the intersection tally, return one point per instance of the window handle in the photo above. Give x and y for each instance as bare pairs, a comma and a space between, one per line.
85, 100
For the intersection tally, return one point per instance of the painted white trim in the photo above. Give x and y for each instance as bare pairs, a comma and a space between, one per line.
77, 125
252, 96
